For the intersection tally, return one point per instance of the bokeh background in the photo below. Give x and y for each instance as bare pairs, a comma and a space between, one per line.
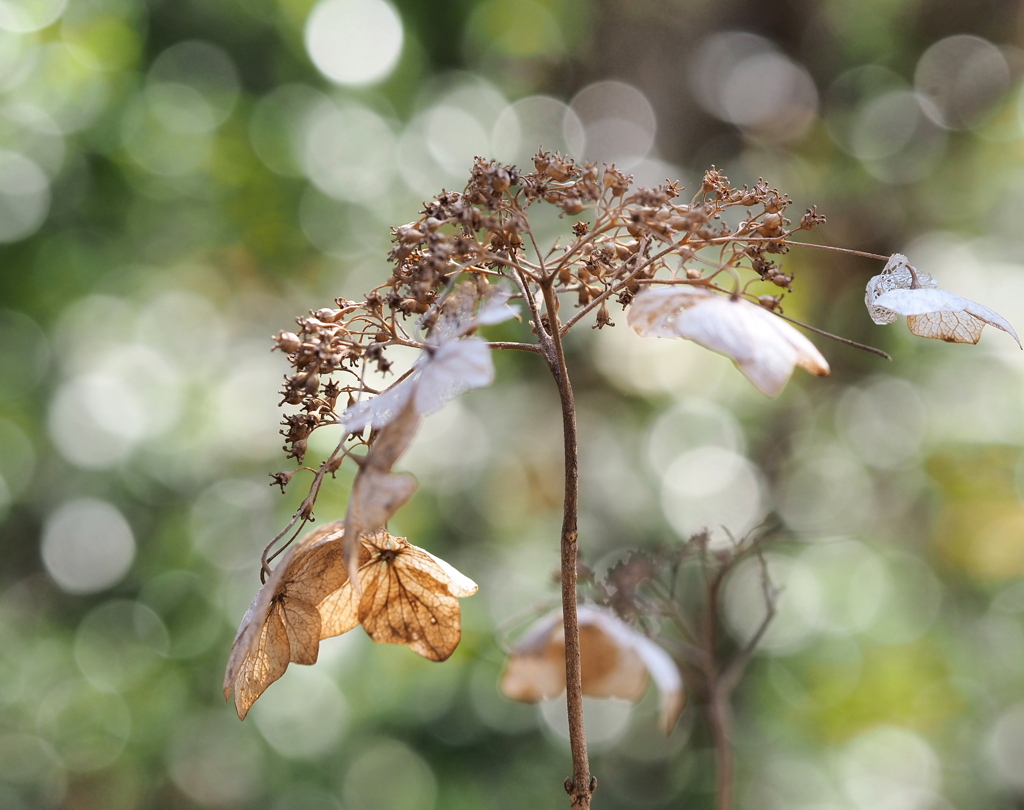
179, 180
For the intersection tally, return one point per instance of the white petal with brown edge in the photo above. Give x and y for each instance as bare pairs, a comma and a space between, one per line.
764, 347
615, 661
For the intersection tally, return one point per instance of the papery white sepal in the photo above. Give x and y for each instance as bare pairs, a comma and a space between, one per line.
763, 346
930, 312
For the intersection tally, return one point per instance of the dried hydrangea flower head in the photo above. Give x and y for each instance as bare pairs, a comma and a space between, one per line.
900, 289
452, 271
405, 595
616, 661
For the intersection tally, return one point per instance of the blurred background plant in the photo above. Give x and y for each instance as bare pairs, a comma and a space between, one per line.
177, 180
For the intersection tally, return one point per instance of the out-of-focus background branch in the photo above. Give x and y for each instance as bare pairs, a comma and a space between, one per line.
178, 180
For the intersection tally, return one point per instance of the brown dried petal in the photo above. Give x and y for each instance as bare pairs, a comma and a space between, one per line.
282, 623
408, 597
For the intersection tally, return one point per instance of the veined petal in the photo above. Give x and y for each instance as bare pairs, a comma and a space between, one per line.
458, 583
941, 314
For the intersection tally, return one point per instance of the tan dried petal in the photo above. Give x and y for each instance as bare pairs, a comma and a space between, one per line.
408, 597
943, 315
952, 327
282, 623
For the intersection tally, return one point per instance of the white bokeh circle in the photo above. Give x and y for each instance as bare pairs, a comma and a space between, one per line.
87, 546
354, 42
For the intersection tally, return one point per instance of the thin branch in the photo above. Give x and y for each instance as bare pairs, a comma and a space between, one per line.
546, 346
731, 676
829, 335
520, 347
612, 289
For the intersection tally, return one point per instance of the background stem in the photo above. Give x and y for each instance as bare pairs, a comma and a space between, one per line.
719, 718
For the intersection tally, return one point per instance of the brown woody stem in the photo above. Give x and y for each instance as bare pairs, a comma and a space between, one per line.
581, 786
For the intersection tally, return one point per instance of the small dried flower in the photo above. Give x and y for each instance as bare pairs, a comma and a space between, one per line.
932, 313
616, 661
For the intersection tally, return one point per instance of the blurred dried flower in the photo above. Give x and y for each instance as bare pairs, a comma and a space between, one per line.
616, 661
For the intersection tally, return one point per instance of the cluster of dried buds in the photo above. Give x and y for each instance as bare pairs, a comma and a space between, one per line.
624, 240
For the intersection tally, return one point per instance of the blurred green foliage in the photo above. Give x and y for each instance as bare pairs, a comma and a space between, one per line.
179, 180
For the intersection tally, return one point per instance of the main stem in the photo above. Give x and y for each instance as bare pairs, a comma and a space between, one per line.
581, 786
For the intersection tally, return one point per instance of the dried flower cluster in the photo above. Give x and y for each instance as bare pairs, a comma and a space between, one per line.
449, 258
455, 266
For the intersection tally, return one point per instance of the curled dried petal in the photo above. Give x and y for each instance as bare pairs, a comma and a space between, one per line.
764, 347
282, 624
931, 312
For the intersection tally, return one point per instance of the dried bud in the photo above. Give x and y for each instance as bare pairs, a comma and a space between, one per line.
692, 273
288, 342
771, 225
572, 205
297, 450
603, 317
281, 479
328, 315
811, 219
